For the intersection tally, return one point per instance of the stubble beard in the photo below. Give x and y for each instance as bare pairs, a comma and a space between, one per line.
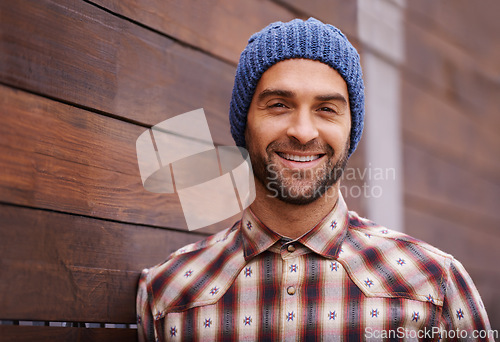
293, 186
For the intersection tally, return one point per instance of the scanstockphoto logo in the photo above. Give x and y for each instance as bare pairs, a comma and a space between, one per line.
430, 334
178, 156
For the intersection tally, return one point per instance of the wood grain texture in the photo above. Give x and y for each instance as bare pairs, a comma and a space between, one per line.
27, 333
73, 209
59, 267
452, 73
342, 14
76, 52
429, 177
426, 119
221, 28
450, 212
59, 157
473, 28
450, 131
475, 248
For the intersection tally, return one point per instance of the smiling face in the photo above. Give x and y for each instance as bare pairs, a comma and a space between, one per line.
298, 130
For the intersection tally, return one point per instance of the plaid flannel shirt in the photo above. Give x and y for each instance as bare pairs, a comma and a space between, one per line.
347, 279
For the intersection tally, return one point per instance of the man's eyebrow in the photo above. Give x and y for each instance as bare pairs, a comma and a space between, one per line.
290, 94
275, 92
332, 97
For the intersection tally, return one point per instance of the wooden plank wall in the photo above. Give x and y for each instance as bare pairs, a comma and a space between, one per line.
451, 124
79, 82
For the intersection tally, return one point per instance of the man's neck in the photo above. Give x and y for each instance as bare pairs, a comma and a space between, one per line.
291, 220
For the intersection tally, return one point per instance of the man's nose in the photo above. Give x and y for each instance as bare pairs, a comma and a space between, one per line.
302, 127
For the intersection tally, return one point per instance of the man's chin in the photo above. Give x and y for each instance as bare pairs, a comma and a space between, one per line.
300, 200
296, 196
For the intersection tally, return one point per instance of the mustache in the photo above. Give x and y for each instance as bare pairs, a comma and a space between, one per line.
313, 147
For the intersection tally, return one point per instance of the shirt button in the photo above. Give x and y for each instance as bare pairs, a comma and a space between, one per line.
291, 248
291, 290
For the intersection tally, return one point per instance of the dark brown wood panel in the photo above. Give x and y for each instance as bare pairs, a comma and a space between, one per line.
452, 74
35, 124
475, 248
342, 14
439, 126
59, 267
450, 129
73, 51
452, 213
59, 157
429, 177
10, 333
222, 29
473, 28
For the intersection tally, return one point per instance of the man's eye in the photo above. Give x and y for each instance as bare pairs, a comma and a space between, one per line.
277, 105
327, 109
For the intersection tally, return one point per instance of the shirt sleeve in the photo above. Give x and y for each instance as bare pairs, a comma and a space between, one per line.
145, 322
464, 314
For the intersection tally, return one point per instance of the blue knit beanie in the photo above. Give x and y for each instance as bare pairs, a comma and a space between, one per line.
309, 39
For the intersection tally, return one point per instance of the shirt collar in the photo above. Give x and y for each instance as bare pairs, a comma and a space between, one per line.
325, 238
256, 236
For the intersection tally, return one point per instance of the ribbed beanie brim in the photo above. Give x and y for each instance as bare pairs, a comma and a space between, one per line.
309, 39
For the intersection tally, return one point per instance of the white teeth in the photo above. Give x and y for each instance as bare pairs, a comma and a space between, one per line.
299, 158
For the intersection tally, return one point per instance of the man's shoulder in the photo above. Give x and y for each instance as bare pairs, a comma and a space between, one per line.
388, 263
364, 227
210, 247
210, 242
208, 265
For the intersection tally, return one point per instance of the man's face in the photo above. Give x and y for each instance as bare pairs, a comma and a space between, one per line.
298, 129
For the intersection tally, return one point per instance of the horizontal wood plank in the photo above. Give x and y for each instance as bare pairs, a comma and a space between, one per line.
55, 156
479, 37
429, 177
223, 29
439, 125
76, 52
474, 246
452, 73
11, 333
342, 14
59, 267
450, 212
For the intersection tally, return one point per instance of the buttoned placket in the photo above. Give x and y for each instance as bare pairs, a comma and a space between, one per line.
292, 268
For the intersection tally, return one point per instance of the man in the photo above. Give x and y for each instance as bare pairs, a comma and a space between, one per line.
299, 266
